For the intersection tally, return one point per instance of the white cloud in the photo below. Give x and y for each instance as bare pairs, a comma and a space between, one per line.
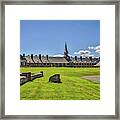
91, 55
59, 55
80, 52
84, 53
97, 51
91, 48
96, 48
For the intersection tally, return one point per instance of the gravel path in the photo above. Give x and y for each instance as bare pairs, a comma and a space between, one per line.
95, 79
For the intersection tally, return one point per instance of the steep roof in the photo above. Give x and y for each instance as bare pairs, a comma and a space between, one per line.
57, 60
49, 59
44, 59
28, 58
36, 59
22, 60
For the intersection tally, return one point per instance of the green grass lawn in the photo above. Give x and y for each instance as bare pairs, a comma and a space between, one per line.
73, 87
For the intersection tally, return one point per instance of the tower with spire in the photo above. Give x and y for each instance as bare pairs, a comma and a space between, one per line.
66, 53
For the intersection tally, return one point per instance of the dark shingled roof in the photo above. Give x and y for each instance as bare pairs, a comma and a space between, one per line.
28, 58
22, 60
44, 59
75, 61
57, 60
84, 60
50, 59
36, 59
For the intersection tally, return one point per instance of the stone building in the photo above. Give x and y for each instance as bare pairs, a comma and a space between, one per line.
65, 61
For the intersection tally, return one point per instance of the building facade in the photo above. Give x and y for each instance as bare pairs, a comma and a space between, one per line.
65, 61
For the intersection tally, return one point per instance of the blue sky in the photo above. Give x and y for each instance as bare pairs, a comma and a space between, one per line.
49, 36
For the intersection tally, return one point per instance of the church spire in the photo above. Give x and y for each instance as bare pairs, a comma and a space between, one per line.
66, 52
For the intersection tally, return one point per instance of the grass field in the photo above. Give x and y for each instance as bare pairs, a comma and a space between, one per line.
73, 87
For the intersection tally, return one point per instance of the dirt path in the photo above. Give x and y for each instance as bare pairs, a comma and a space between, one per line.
95, 79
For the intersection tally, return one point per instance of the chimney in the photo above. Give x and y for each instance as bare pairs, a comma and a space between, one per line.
40, 56
31, 56
23, 55
90, 58
81, 58
76, 58
47, 57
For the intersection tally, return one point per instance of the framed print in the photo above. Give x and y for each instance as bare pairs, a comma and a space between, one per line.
60, 59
